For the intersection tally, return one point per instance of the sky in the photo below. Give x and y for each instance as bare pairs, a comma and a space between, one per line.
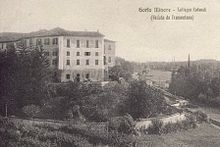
137, 38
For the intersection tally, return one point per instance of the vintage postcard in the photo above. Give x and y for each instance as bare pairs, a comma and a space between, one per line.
109, 73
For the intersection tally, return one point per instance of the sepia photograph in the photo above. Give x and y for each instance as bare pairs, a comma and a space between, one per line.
109, 73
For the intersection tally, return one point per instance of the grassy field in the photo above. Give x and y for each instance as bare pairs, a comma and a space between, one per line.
158, 75
205, 135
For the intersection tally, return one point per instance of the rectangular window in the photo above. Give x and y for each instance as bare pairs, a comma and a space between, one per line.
55, 41
96, 53
24, 42
77, 43
109, 47
96, 62
67, 53
87, 62
68, 76
54, 53
47, 41
104, 60
77, 53
77, 62
68, 43
109, 59
96, 44
87, 53
87, 43
38, 42
30, 41
67, 62
54, 62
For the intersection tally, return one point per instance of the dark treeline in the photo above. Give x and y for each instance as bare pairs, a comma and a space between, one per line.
199, 83
23, 75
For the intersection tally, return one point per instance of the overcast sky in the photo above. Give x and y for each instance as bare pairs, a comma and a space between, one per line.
138, 39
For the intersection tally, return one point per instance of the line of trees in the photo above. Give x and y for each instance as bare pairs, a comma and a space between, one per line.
23, 73
197, 83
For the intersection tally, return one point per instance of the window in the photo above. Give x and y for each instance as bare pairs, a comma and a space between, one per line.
24, 42
87, 76
77, 53
87, 62
54, 53
77, 43
31, 42
96, 62
46, 53
104, 60
68, 76
96, 44
54, 62
55, 41
47, 41
77, 62
96, 53
109, 59
87, 53
67, 62
68, 43
87, 43
38, 42
67, 53
109, 47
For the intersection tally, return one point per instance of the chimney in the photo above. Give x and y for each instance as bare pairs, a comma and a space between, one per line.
188, 60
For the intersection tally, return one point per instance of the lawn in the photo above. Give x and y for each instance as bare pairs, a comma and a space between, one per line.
205, 135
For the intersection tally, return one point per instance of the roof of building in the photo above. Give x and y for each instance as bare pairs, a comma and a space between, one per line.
12, 36
107, 40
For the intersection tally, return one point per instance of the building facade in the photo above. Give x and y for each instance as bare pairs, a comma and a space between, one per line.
76, 55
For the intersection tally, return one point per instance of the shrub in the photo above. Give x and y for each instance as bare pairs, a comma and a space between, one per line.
31, 110
155, 127
55, 108
124, 124
190, 122
200, 116
144, 101
8, 133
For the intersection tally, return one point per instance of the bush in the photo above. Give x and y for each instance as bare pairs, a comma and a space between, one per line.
8, 133
144, 101
123, 124
178, 126
155, 127
31, 110
200, 116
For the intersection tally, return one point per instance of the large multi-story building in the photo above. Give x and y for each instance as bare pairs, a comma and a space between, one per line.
80, 55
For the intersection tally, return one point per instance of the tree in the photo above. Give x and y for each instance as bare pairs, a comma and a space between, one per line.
23, 76
31, 110
144, 101
33, 73
8, 81
118, 71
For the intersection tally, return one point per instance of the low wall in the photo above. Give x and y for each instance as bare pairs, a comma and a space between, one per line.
215, 122
145, 123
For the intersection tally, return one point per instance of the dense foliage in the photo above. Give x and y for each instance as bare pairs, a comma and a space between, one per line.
144, 101
22, 80
197, 83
